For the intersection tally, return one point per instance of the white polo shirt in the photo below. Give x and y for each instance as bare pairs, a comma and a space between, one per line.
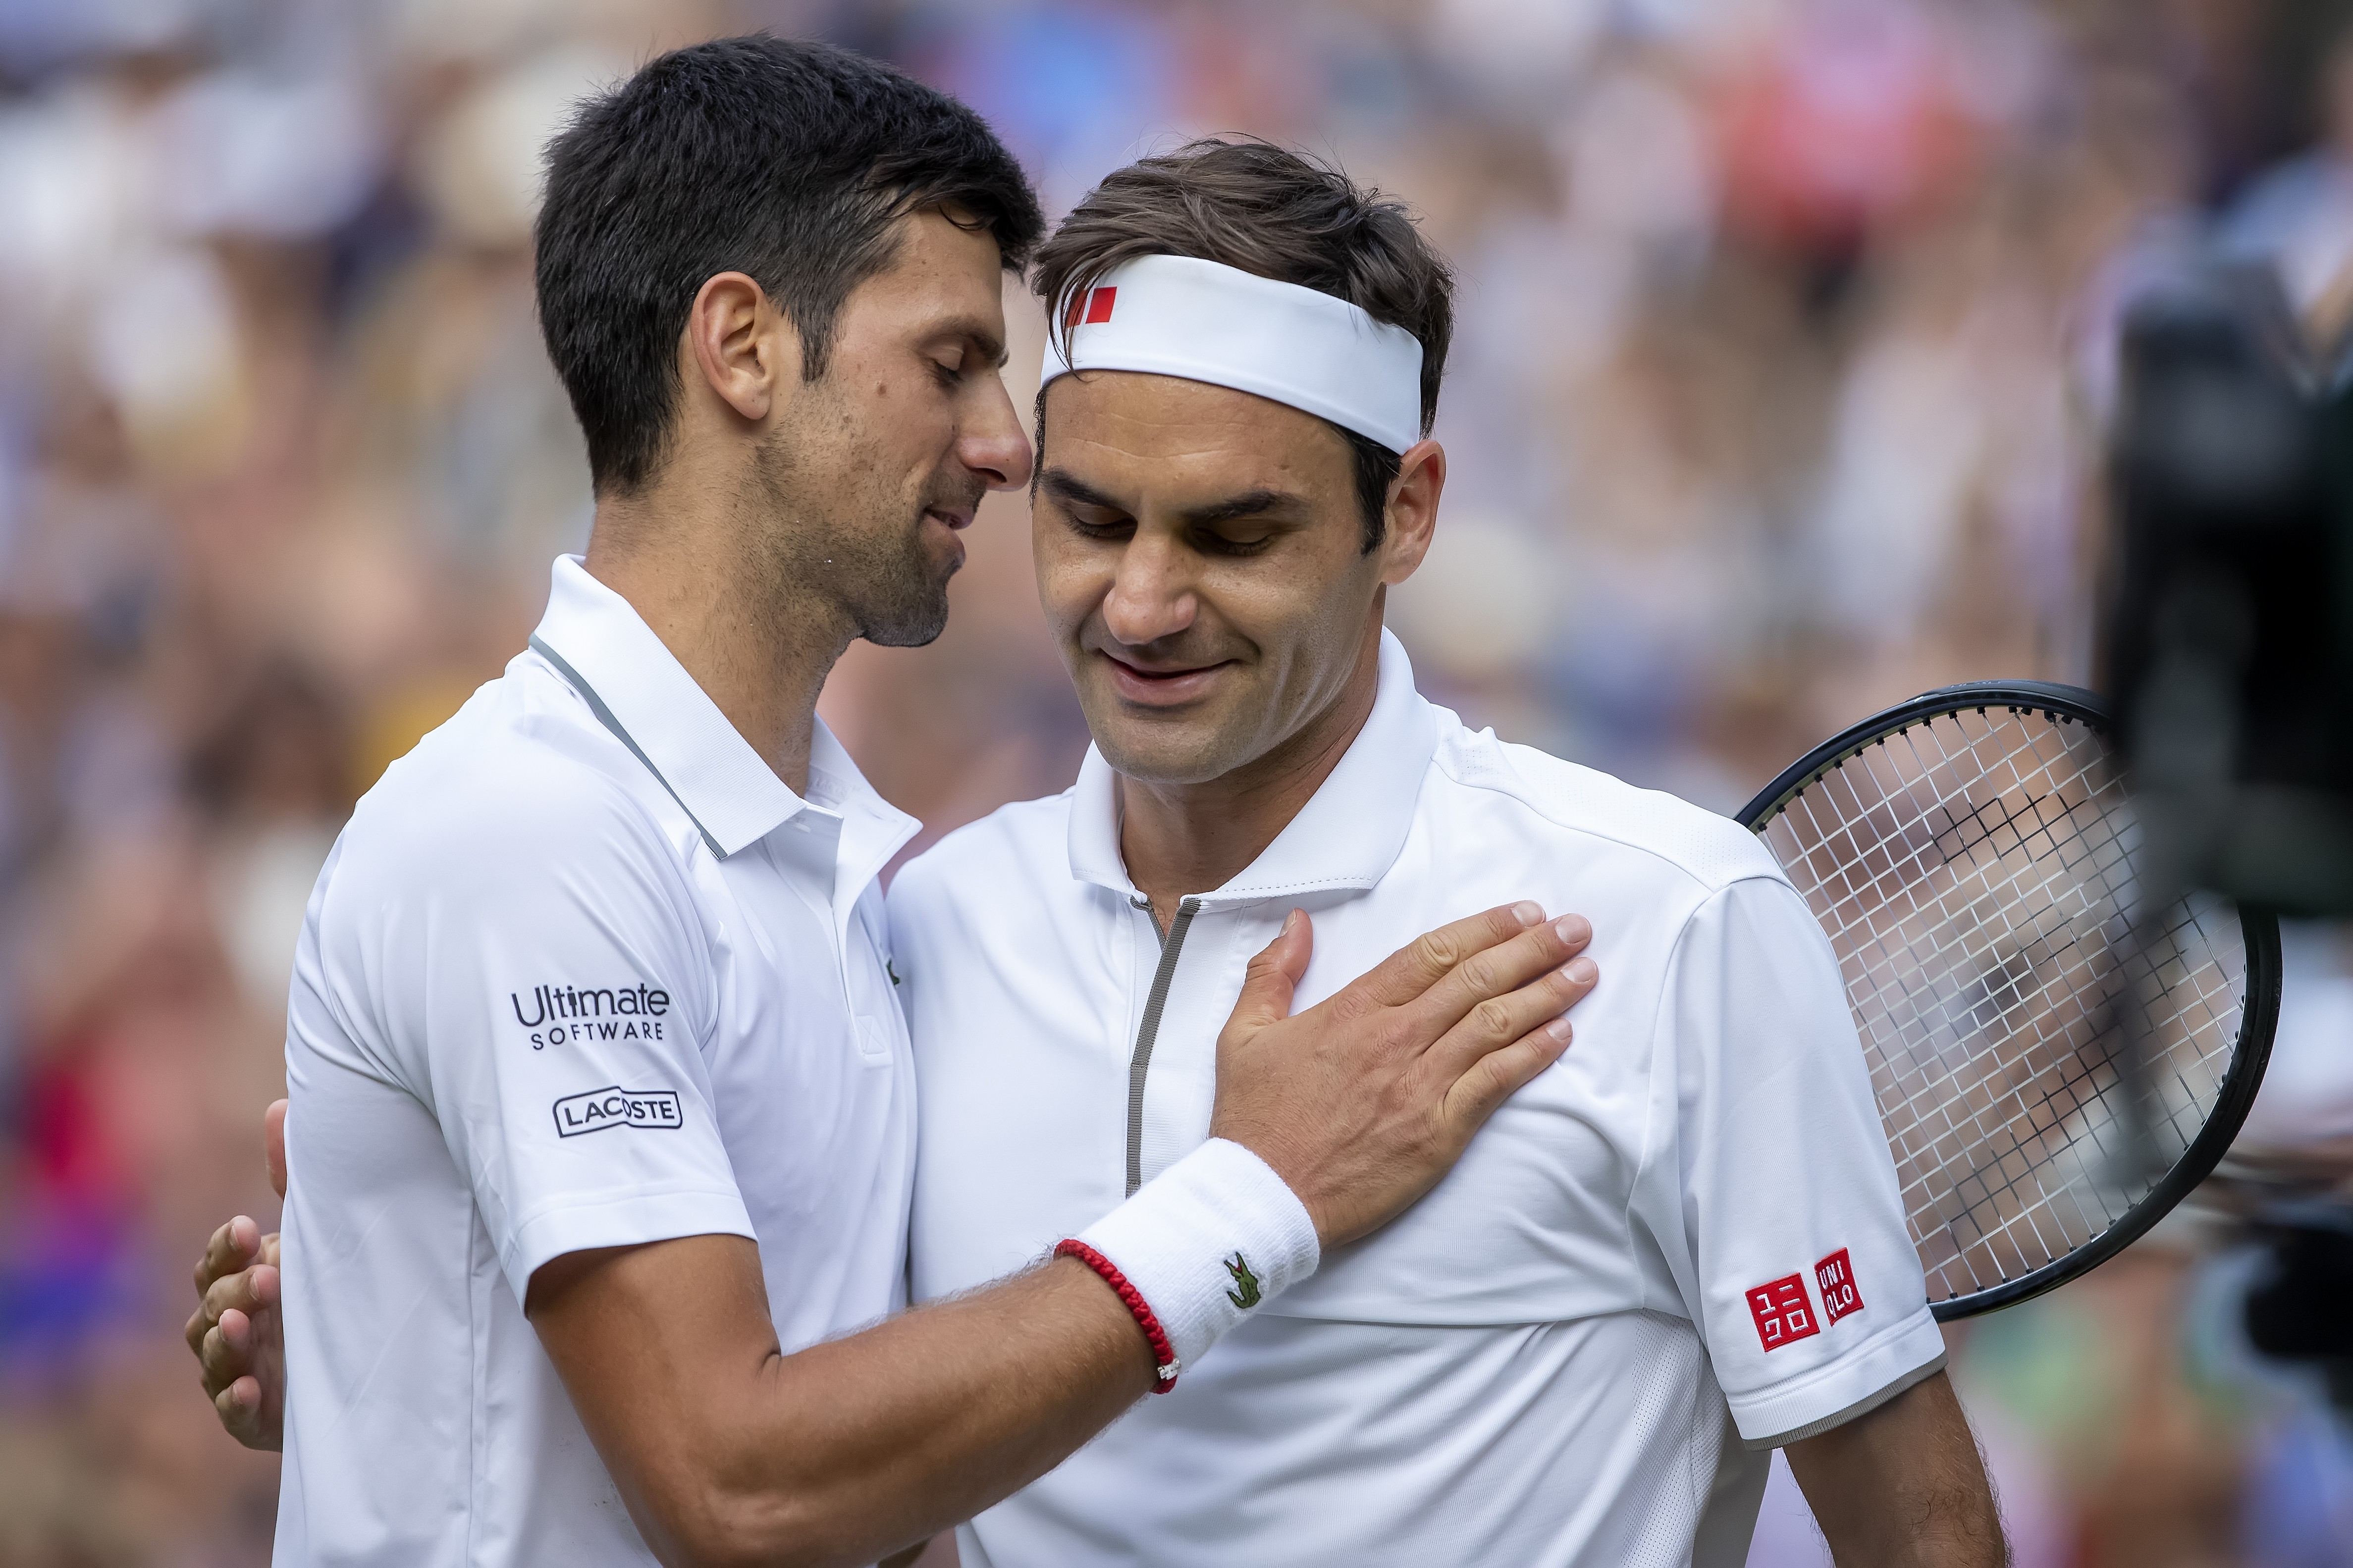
580, 973
1679, 1246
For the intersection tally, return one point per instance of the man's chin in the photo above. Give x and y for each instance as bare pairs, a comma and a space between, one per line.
916, 620
911, 628
1163, 749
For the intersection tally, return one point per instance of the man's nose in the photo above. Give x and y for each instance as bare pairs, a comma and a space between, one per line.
1151, 596
992, 444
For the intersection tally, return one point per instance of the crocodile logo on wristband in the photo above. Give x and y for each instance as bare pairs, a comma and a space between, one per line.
1248, 1296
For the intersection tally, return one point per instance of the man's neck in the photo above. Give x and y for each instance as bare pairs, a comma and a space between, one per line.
681, 561
1195, 838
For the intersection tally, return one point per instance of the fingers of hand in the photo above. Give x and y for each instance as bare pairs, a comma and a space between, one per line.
1497, 1075
224, 1360
1273, 975
237, 1405
232, 1246
1497, 972
1421, 963
1498, 1023
274, 1144
240, 1295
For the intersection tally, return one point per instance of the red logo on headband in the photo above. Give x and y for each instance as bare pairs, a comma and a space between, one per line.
1098, 307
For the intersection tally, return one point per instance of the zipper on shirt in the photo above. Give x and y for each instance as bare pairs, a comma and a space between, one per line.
1154, 1001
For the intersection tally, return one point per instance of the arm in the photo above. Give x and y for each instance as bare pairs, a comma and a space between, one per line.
1902, 1486
886, 1435
727, 1450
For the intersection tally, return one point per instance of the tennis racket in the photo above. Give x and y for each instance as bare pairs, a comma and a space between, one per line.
2057, 1058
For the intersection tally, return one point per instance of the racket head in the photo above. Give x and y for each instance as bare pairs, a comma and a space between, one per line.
1970, 856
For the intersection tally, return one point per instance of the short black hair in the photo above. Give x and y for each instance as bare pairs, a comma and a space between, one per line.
785, 160
1266, 209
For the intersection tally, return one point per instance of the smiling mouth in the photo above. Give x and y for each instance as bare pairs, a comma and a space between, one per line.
1161, 687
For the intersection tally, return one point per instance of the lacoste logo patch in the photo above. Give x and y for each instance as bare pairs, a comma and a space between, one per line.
615, 1107
1246, 1296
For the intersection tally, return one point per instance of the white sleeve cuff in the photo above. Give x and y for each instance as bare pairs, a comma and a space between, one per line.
1207, 1241
1853, 1386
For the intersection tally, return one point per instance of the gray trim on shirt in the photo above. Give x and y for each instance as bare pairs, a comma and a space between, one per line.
1863, 1406
579, 683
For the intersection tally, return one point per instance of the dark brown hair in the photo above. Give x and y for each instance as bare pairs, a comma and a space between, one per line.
786, 160
1282, 214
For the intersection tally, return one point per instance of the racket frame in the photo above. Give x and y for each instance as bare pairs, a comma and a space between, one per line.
2258, 1012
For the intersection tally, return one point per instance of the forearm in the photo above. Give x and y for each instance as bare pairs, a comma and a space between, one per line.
1902, 1486
727, 1450
857, 1446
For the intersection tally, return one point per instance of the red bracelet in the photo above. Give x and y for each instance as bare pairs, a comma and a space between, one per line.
1163, 1355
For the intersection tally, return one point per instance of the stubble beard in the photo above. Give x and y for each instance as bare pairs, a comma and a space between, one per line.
882, 577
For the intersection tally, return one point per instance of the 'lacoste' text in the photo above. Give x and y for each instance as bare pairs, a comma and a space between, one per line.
615, 1107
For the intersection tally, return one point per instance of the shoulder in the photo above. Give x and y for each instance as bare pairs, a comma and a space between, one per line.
1543, 797
506, 793
990, 858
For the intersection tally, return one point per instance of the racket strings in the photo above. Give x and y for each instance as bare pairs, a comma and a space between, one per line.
1974, 874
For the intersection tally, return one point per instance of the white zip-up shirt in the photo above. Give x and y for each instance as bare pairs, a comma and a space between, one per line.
581, 972
1679, 1246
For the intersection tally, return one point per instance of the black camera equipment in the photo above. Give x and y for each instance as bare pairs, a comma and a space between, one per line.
2228, 655
2230, 613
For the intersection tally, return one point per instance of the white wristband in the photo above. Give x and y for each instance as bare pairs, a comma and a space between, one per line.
1208, 1241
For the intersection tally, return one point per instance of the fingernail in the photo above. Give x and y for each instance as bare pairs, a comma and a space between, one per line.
1290, 921
1583, 970
1527, 913
1572, 929
1558, 1031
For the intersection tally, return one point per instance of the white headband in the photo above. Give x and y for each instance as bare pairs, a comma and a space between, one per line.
1175, 315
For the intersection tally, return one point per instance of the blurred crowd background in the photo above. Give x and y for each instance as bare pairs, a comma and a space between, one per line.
1786, 350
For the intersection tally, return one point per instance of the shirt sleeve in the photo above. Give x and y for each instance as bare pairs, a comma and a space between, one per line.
546, 992
1797, 1265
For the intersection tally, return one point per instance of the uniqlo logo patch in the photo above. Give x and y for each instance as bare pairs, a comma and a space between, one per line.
1783, 1313
1095, 307
1835, 1277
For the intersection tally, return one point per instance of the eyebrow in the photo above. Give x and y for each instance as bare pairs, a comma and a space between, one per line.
1250, 503
1067, 488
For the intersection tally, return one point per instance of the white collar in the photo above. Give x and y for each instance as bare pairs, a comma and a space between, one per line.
599, 644
1348, 835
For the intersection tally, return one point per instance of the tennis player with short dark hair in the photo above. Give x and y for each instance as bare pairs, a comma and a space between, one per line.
603, 1127
1678, 1248
1675, 1249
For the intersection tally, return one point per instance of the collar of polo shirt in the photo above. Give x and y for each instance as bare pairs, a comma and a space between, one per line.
1348, 834
640, 693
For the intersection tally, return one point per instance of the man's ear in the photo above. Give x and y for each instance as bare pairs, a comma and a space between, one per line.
1412, 513
747, 351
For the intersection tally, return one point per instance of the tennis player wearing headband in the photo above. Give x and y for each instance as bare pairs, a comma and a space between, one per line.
1677, 1248
603, 1119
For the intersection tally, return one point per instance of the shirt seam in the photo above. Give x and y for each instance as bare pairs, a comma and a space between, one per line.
1438, 760
1651, 1085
